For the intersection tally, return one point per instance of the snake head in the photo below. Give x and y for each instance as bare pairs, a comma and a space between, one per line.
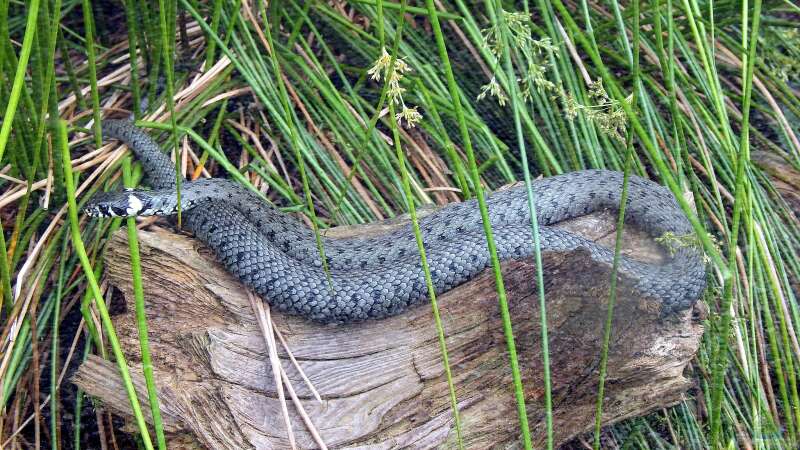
127, 203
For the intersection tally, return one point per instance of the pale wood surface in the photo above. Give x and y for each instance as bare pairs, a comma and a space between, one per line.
382, 382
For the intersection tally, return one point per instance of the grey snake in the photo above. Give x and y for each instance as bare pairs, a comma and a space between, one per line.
375, 277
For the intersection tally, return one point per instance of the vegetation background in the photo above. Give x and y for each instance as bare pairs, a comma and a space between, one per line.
302, 100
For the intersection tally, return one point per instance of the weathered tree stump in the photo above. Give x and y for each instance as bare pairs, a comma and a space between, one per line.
382, 382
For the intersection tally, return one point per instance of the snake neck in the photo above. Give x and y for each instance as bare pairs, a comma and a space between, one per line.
158, 167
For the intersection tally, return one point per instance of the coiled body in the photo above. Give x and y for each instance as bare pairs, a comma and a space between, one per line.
375, 277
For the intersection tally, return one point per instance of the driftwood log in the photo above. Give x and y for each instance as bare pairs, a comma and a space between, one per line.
382, 383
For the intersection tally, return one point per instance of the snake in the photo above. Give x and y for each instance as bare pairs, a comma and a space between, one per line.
277, 255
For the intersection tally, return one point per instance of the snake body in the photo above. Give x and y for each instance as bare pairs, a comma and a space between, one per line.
375, 277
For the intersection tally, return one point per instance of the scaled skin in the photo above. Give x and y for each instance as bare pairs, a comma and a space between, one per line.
375, 277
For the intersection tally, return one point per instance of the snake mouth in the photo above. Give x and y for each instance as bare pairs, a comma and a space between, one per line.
115, 204
105, 210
